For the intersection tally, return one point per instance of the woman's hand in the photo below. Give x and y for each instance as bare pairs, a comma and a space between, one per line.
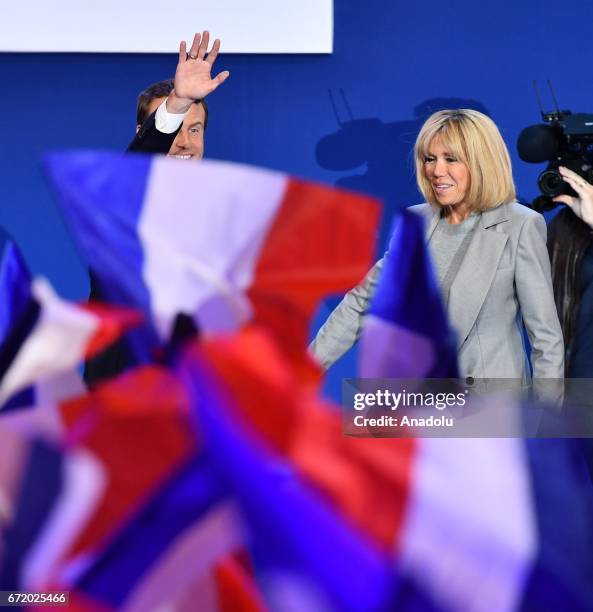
582, 206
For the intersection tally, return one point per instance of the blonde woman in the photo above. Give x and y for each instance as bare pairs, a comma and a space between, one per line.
489, 255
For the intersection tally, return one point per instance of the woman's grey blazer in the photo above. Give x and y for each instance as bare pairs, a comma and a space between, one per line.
504, 280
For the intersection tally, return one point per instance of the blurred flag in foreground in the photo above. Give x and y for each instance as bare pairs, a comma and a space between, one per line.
52, 338
308, 555
406, 333
220, 242
128, 513
171, 482
168, 477
422, 521
14, 286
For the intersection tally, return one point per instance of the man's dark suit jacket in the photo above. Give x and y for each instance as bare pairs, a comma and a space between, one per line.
119, 356
150, 140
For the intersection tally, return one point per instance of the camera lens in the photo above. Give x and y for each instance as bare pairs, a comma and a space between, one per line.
550, 183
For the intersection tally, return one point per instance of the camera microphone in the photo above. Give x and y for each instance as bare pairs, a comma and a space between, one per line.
538, 144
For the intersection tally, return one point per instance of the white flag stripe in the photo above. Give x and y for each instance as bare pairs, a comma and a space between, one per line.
84, 485
470, 522
56, 344
190, 214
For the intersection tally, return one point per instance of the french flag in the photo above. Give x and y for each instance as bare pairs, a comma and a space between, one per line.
423, 521
50, 486
135, 436
129, 514
406, 333
50, 340
307, 556
223, 243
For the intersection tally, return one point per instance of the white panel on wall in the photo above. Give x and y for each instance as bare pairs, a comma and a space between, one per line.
155, 26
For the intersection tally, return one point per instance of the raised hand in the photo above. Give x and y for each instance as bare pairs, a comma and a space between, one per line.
581, 206
193, 78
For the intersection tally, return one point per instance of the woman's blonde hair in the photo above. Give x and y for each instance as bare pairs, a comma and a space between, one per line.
473, 139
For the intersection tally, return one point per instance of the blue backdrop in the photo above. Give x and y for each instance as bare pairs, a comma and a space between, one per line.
348, 119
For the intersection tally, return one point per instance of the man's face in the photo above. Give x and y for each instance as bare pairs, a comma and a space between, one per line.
189, 142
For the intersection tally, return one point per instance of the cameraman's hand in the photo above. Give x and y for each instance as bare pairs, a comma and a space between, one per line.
582, 206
